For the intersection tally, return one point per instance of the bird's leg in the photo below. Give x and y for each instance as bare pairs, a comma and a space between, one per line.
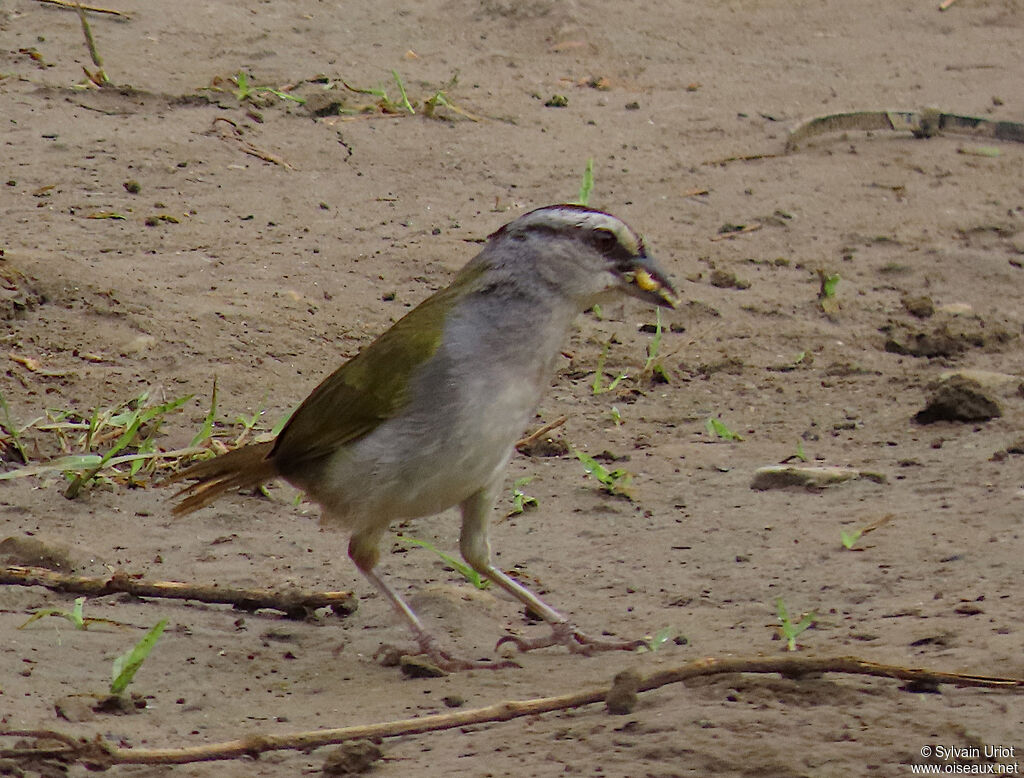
476, 550
364, 551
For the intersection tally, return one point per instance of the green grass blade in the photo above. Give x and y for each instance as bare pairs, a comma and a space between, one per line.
76, 617
401, 90
614, 482
284, 95
520, 499
850, 538
242, 80
60, 465
719, 429
206, 430
800, 454
781, 611
276, 430
461, 568
94, 425
662, 637
126, 665
42, 615
140, 418
592, 466
586, 184
597, 385
8, 424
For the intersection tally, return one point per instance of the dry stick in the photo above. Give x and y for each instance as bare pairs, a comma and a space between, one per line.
92, 8
733, 233
245, 146
926, 123
100, 754
534, 436
878, 523
742, 158
294, 603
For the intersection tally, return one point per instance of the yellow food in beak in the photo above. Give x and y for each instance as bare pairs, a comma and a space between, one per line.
655, 291
646, 281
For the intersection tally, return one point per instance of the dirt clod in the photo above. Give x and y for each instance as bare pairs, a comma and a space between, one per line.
36, 552
959, 399
724, 279
419, 667
922, 307
622, 697
352, 758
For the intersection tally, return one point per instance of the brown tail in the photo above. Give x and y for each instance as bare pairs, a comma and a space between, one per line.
244, 467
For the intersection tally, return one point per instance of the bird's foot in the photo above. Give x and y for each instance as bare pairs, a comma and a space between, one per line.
430, 652
565, 634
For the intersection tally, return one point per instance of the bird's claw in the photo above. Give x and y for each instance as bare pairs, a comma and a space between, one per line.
391, 656
565, 634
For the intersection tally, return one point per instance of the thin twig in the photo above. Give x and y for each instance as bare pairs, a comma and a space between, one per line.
91, 8
245, 146
534, 436
100, 754
742, 158
733, 233
296, 604
878, 523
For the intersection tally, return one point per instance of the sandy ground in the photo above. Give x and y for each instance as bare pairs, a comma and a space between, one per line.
269, 272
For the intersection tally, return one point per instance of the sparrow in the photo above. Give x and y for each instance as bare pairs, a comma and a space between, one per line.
426, 417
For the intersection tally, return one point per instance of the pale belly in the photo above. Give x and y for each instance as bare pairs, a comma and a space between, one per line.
423, 464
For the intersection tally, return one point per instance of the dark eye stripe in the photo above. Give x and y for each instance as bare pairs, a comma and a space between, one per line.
616, 242
615, 252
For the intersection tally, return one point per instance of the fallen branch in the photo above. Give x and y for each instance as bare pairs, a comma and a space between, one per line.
296, 604
99, 754
927, 123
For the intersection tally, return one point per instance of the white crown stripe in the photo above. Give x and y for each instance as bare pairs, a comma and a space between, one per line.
558, 217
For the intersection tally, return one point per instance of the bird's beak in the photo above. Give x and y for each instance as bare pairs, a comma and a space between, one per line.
646, 281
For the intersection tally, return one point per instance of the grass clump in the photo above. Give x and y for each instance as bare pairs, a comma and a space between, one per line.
654, 370
247, 91
718, 428
598, 386
787, 628
10, 432
521, 501
116, 444
615, 482
130, 428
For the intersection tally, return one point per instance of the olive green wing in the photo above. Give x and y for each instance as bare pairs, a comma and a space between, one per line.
368, 389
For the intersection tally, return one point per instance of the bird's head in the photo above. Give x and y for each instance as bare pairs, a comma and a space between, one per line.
585, 254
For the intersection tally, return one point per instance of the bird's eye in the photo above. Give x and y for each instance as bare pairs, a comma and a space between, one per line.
605, 239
